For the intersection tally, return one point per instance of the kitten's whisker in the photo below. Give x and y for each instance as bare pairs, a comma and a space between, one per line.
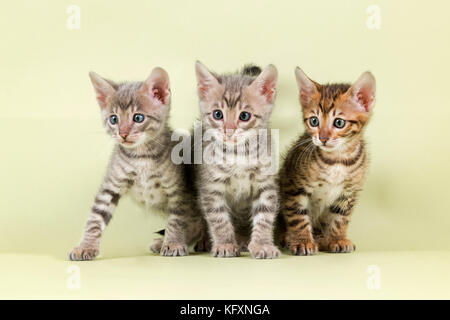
303, 153
298, 144
306, 150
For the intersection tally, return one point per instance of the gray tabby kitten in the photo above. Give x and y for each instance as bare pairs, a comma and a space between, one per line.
135, 115
239, 199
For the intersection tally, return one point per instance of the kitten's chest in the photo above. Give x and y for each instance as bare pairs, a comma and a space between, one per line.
147, 186
328, 187
239, 188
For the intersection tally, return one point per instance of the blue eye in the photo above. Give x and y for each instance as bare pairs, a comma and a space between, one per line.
339, 123
314, 121
113, 119
244, 116
138, 117
217, 114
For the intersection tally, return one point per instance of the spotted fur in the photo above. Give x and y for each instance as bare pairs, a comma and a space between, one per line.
141, 165
324, 169
239, 201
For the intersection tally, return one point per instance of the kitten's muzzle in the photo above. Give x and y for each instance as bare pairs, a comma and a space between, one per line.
324, 140
124, 137
229, 132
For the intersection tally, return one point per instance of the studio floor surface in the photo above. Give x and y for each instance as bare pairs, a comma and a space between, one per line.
360, 275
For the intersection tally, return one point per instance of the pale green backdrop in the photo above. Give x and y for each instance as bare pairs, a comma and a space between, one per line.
55, 150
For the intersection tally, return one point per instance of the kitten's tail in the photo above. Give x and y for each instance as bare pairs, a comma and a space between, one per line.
251, 70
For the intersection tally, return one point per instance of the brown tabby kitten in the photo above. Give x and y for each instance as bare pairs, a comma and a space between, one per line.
135, 115
324, 169
239, 199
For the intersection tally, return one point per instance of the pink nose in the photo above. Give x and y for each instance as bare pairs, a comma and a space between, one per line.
324, 139
124, 135
230, 125
229, 132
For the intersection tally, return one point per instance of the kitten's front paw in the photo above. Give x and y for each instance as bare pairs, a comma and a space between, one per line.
156, 246
81, 253
263, 251
225, 250
304, 248
174, 249
341, 246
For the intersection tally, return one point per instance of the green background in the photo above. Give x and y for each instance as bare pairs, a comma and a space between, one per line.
54, 149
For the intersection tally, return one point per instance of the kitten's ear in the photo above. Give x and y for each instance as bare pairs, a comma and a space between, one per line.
157, 87
265, 83
103, 88
306, 87
362, 92
206, 82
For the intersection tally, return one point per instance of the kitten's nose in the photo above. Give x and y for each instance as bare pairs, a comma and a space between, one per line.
124, 135
324, 140
229, 132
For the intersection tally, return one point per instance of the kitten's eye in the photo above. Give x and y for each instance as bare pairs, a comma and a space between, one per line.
244, 116
339, 123
217, 114
314, 121
114, 119
138, 117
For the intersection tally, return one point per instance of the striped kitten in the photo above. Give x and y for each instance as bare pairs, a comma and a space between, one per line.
135, 115
324, 169
239, 199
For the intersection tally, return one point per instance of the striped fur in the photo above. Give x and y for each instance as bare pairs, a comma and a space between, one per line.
320, 183
239, 201
141, 166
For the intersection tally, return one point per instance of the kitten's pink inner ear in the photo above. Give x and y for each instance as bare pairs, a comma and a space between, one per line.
203, 88
365, 99
159, 94
157, 87
306, 96
207, 87
265, 83
103, 88
307, 88
206, 82
101, 99
363, 92
268, 90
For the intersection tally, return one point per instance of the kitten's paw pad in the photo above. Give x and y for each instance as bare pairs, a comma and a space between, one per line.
264, 251
82, 254
156, 246
174, 250
341, 246
304, 248
225, 250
